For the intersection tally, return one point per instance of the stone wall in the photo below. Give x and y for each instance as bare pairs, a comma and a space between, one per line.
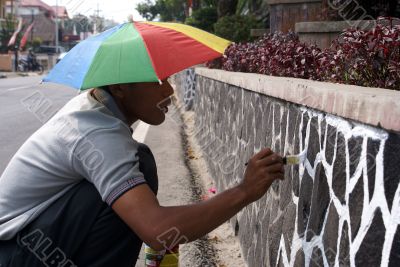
185, 83
340, 207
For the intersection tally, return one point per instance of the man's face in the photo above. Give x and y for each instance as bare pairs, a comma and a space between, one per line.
144, 101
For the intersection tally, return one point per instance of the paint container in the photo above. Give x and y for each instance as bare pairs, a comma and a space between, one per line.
163, 258
152, 257
171, 258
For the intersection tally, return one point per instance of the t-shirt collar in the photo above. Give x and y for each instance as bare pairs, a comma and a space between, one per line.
108, 101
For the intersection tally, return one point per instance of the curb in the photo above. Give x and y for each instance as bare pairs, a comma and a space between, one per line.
4, 75
220, 247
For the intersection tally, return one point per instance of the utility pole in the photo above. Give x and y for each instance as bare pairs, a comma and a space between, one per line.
56, 41
16, 47
32, 19
16, 9
97, 22
97, 10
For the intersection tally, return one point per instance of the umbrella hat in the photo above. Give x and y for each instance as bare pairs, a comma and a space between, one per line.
136, 52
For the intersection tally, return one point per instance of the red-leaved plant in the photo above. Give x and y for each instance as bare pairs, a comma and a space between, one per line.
275, 54
365, 58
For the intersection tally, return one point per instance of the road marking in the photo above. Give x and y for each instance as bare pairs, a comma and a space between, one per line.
19, 88
140, 132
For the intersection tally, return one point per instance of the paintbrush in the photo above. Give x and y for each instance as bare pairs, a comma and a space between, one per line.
293, 159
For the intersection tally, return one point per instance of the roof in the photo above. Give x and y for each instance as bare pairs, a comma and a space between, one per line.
36, 3
61, 11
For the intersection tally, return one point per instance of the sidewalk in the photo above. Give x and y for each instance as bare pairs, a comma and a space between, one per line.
4, 75
179, 184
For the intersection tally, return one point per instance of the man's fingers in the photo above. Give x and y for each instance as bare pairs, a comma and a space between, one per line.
279, 176
276, 167
263, 153
271, 159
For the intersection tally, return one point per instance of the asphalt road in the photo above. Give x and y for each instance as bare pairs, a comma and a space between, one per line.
17, 121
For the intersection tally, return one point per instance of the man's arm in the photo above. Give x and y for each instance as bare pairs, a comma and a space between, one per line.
140, 210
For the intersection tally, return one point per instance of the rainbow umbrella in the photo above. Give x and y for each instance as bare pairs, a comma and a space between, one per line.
136, 52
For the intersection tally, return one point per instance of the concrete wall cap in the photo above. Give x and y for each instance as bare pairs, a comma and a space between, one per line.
277, 2
374, 106
333, 26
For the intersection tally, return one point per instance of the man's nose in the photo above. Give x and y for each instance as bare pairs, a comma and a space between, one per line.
167, 89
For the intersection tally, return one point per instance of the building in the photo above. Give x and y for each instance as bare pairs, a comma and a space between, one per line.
42, 15
32, 8
2, 8
61, 12
62, 15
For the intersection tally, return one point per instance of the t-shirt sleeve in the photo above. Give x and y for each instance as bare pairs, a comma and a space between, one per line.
108, 158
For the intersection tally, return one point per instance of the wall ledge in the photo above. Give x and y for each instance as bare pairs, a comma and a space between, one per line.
332, 26
338, 26
278, 2
374, 106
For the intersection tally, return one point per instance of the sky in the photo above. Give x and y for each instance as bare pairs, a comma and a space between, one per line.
118, 10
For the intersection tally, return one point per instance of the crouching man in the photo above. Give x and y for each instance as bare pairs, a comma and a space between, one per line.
81, 192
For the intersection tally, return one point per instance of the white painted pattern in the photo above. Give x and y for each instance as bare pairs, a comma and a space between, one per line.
211, 108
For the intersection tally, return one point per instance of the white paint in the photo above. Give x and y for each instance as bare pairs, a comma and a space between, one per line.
140, 132
19, 88
358, 130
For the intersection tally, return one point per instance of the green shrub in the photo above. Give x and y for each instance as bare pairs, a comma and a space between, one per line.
203, 18
6, 31
236, 28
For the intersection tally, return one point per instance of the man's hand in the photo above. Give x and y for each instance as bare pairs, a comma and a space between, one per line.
140, 209
262, 169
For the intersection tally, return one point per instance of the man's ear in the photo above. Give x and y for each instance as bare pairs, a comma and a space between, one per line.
116, 90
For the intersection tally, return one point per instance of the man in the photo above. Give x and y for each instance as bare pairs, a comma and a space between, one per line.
81, 192
31, 60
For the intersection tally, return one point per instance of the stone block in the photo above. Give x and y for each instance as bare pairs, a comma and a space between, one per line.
372, 243
331, 234
356, 200
344, 246
339, 169
395, 250
304, 206
319, 203
391, 171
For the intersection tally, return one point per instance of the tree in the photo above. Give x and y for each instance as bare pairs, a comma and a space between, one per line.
236, 27
148, 10
257, 8
203, 18
165, 10
98, 21
81, 24
6, 31
227, 7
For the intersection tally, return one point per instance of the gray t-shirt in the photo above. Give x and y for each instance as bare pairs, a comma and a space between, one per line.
86, 139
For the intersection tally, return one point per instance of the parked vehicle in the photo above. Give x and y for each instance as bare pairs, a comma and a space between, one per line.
47, 49
30, 63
